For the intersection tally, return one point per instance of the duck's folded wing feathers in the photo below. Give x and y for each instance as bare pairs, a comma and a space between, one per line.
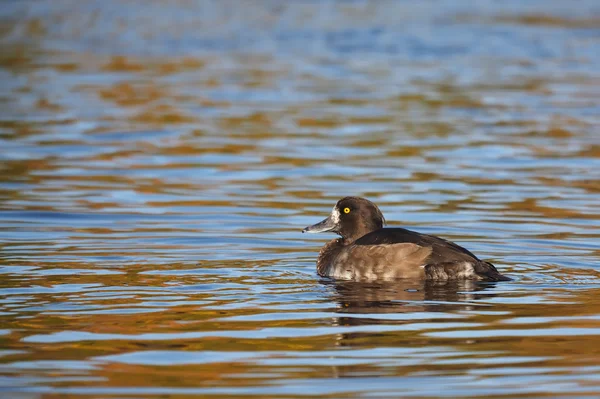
441, 249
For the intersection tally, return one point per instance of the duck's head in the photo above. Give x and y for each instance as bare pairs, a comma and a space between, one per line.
351, 218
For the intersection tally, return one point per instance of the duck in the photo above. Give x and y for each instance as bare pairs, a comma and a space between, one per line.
368, 251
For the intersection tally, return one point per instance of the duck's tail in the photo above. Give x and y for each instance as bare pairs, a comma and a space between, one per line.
489, 272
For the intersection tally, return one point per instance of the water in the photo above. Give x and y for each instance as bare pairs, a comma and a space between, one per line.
159, 160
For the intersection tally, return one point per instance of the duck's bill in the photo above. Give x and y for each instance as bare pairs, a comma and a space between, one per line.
326, 225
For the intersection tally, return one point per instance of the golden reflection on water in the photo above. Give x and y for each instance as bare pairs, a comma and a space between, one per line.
151, 203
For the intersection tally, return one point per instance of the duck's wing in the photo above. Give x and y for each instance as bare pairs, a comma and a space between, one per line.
380, 262
441, 250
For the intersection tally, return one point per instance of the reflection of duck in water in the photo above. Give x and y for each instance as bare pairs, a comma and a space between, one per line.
369, 252
398, 313
404, 296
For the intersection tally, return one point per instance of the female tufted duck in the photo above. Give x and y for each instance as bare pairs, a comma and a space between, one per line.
367, 251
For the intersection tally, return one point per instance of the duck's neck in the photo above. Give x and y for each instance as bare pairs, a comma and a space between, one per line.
326, 255
357, 231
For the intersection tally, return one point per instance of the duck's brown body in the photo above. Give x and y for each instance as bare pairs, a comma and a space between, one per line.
375, 262
367, 251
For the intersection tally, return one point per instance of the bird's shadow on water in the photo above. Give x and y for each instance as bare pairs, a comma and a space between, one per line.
404, 296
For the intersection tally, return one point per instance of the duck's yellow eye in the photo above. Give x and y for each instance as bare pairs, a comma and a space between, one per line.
346, 210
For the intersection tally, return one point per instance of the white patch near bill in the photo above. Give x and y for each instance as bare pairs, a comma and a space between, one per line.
335, 215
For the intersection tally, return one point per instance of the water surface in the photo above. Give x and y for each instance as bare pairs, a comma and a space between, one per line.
158, 161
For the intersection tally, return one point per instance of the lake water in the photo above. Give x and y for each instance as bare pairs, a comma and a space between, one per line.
158, 161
